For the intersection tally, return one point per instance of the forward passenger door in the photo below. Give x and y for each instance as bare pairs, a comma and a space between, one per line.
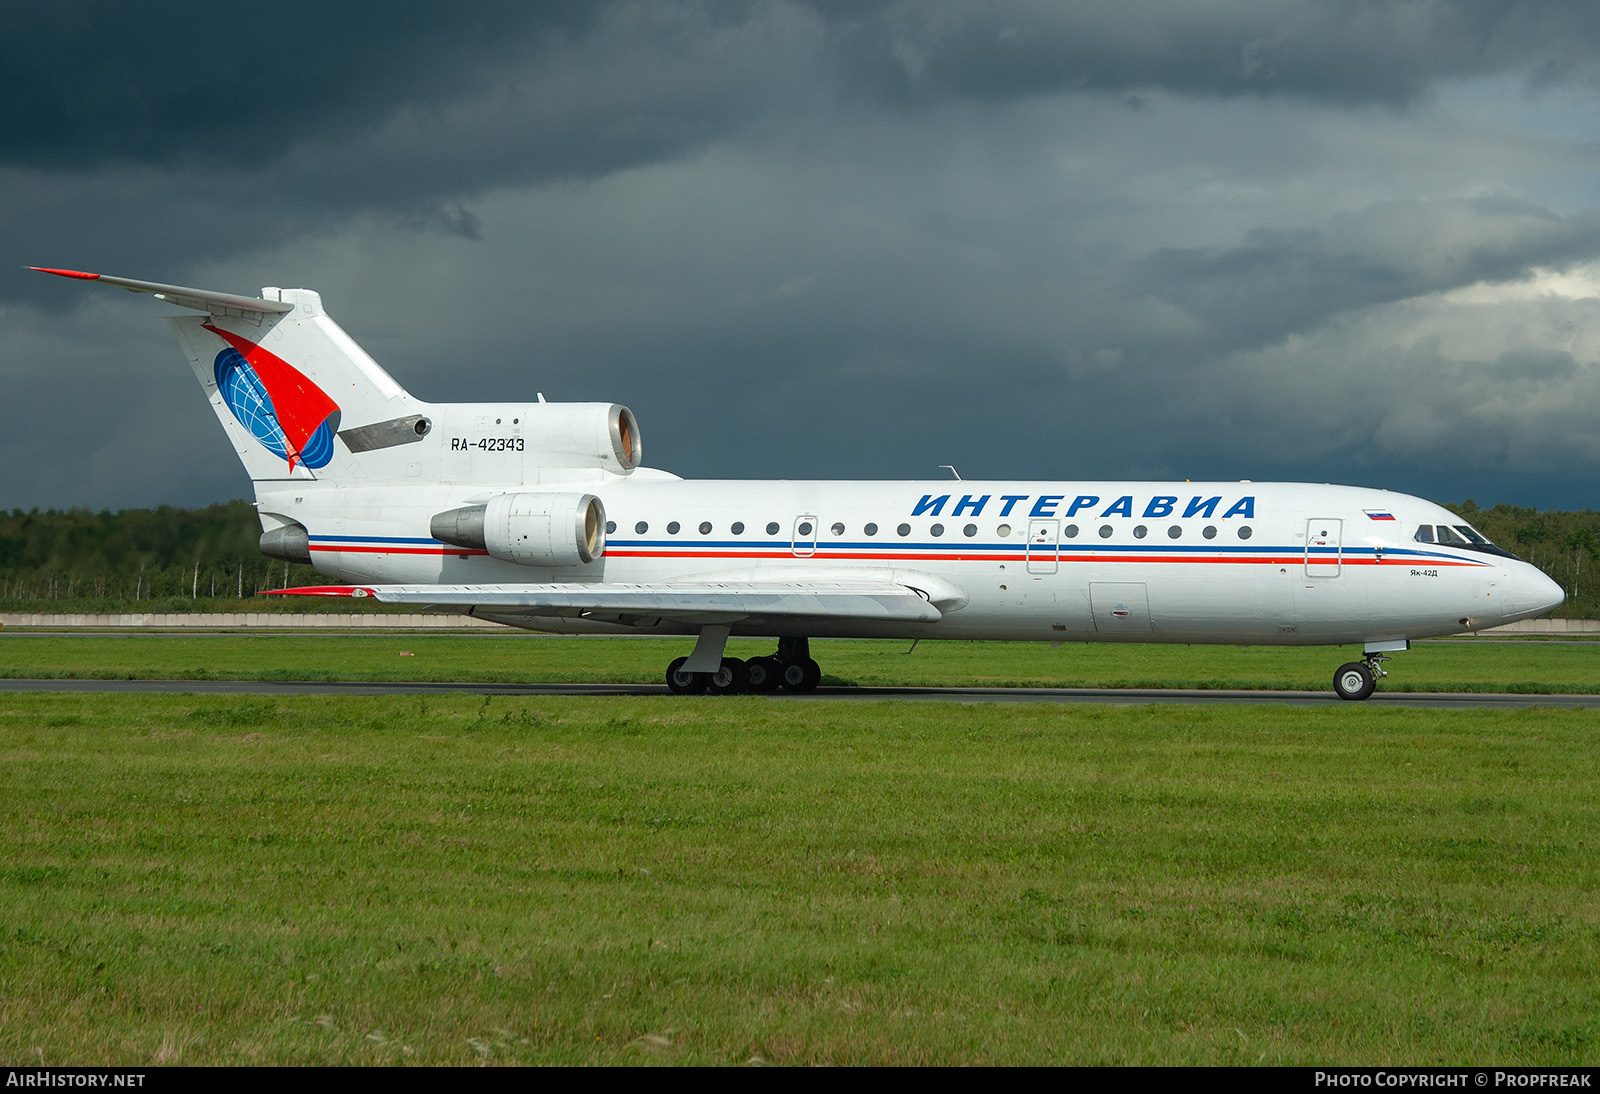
1324, 547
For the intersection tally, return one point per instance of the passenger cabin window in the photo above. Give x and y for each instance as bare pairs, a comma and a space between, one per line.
641, 528
772, 529
738, 528
1105, 531
672, 528
871, 529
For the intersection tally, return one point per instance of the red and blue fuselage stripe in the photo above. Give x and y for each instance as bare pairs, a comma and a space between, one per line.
922, 551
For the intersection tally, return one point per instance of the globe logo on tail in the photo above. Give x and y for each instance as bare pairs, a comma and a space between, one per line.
278, 404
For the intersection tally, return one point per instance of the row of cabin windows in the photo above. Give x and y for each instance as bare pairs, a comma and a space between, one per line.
805, 529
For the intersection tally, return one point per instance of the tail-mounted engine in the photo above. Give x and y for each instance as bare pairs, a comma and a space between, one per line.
603, 435
534, 529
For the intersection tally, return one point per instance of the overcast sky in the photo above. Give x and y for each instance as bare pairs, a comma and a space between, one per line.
1348, 242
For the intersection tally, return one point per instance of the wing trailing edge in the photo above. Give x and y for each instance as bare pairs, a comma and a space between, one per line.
687, 602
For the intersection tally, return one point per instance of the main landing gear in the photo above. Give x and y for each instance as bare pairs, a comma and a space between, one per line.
1359, 679
790, 668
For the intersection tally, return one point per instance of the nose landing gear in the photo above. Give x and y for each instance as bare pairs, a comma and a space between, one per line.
1354, 681
1359, 679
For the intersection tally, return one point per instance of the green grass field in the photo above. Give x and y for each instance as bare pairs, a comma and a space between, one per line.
458, 879
1520, 666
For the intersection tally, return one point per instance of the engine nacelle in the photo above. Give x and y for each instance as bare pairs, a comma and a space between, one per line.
288, 542
529, 529
582, 435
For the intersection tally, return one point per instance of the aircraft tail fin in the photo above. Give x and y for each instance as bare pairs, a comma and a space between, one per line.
303, 405
285, 380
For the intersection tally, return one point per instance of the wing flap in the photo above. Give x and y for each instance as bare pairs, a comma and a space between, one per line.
688, 602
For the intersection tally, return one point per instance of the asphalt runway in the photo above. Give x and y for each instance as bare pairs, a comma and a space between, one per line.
1121, 696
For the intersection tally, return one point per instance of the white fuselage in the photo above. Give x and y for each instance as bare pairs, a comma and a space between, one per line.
1239, 562
496, 508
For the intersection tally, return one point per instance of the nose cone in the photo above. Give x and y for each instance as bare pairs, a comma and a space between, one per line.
1533, 592
1541, 591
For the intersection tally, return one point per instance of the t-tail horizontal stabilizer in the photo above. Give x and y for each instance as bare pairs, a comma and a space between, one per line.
198, 299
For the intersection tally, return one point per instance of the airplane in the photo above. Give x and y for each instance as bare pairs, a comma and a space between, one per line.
541, 515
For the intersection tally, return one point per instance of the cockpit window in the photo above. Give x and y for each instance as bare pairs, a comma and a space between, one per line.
1459, 535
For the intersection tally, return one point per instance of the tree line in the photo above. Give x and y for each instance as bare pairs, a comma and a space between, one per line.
1565, 545
170, 559
164, 559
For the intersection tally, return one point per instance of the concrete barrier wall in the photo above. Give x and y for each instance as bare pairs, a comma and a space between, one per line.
377, 621
1575, 627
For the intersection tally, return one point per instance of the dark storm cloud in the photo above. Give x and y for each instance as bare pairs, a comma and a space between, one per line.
1355, 51
84, 84
172, 83
1282, 280
244, 124
240, 135
826, 238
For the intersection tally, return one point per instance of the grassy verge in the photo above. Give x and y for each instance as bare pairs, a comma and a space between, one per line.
1523, 667
456, 879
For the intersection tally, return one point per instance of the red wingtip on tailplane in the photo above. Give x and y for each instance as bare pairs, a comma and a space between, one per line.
320, 590
79, 274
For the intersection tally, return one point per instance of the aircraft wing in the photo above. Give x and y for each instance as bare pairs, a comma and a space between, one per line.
699, 602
